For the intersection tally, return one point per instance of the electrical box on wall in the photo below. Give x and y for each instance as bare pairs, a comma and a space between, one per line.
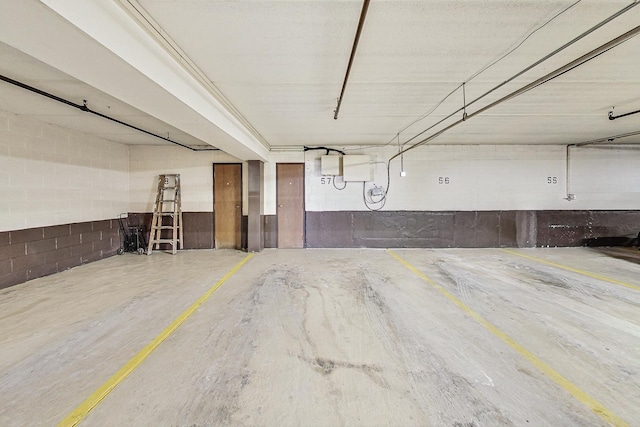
331, 165
356, 168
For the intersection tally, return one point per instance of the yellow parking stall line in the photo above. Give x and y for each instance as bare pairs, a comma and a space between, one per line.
78, 414
574, 270
555, 376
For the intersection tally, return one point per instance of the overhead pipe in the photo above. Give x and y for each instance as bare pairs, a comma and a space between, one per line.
535, 64
85, 108
612, 117
363, 14
609, 139
569, 196
544, 79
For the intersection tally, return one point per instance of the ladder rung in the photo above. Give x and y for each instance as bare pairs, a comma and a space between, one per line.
164, 241
165, 227
168, 188
168, 200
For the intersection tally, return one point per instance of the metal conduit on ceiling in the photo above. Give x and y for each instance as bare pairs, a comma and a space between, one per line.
84, 107
542, 80
363, 15
528, 68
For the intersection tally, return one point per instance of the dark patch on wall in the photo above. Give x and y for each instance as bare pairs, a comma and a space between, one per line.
507, 229
526, 229
403, 229
197, 228
270, 229
587, 228
255, 220
470, 229
328, 229
410, 229
244, 231
143, 219
484, 229
35, 252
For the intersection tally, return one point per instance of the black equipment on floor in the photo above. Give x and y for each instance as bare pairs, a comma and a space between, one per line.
132, 235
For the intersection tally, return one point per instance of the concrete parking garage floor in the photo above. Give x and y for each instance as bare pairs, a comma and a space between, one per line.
456, 337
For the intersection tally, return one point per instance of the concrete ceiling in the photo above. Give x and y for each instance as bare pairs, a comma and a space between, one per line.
25, 69
247, 76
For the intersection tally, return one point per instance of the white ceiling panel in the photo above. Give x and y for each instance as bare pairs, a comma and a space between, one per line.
279, 65
262, 41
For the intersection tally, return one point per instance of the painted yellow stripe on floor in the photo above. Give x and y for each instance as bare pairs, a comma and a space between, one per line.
576, 392
78, 414
574, 270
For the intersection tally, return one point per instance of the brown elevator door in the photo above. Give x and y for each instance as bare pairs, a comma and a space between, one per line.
290, 183
227, 205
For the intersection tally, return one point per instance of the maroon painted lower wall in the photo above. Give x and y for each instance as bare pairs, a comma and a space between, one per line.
270, 229
470, 229
36, 252
426, 229
197, 228
410, 229
587, 228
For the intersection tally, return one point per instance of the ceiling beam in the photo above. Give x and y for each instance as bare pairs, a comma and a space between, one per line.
100, 44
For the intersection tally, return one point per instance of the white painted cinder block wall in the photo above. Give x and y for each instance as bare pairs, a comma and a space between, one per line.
196, 175
51, 175
499, 177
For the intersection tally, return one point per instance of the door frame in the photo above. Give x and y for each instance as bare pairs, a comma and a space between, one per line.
304, 216
213, 189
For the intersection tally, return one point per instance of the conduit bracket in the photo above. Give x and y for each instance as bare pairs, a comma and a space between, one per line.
464, 101
612, 117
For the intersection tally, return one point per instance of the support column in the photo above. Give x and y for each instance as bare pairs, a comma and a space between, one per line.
526, 229
255, 232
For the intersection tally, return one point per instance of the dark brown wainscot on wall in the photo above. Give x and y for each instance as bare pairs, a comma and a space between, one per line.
36, 252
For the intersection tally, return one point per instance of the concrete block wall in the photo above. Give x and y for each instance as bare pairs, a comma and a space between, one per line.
35, 252
478, 182
60, 198
480, 178
485, 178
196, 174
53, 175
195, 169
478, 196
64, 190
146, 163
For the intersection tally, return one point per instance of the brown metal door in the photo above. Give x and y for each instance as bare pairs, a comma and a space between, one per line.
227, 205
290, 178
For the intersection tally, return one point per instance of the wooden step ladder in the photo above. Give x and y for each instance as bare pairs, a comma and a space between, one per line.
167, 214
